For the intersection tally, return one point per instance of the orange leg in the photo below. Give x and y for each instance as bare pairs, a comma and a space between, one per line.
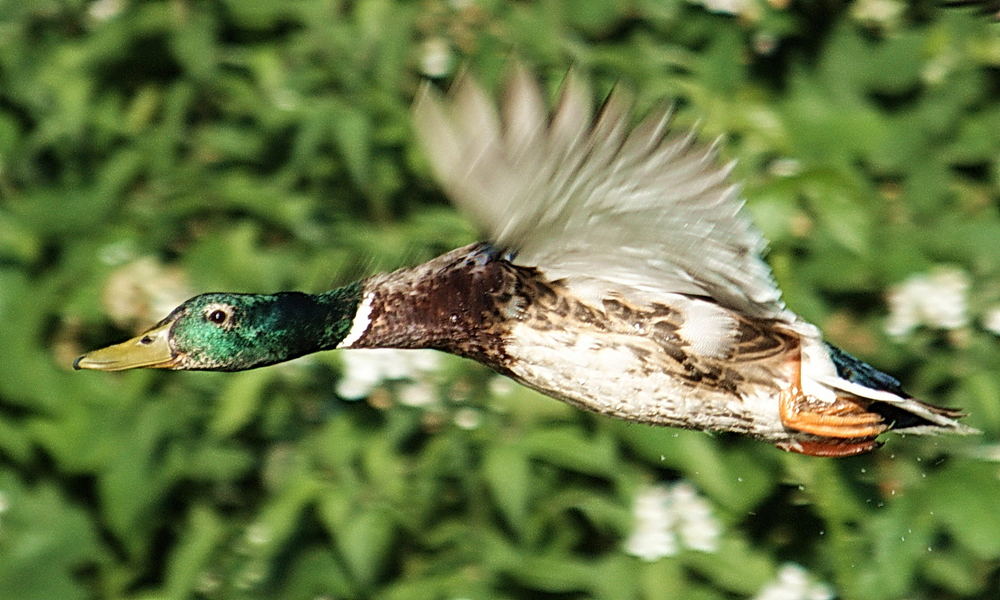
843, 428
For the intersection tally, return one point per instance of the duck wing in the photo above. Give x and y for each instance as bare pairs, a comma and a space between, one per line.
593, 200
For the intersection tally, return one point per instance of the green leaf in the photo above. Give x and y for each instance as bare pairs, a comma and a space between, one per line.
351, 130
45, 542
508, 473
193, 43
203, 533
735, 566
365, 541
963, 499
569, 448
238, 402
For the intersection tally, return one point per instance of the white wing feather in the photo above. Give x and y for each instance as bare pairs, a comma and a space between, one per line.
597, 202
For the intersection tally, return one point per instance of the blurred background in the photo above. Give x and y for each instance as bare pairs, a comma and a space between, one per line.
153, 150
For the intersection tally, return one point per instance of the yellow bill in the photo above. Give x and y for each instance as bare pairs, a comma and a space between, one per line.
151, 350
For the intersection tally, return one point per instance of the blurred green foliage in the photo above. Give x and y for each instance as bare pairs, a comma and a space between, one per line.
257, 146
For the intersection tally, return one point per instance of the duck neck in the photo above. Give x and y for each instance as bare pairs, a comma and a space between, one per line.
337, 310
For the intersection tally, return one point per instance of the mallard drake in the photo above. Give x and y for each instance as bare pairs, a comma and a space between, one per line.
620, 275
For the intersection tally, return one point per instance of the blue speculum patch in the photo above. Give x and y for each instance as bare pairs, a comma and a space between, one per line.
862, 373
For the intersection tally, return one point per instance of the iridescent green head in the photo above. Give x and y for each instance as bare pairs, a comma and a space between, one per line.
233, 332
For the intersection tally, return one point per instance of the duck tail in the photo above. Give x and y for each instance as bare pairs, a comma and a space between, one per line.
888, 399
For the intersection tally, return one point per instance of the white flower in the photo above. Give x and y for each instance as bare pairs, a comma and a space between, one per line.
144, 291
364, 370
794, 583
667, 519
4, 503
258, 534
653, 536
937, 69
785, 167
991, 319
102, 10
116, 254
418, 394
727, 7
936, 299
435, 57
501, 386
883, 13
207, 583
467, 418
699, 530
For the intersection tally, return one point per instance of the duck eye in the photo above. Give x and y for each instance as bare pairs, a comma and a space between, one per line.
218, 316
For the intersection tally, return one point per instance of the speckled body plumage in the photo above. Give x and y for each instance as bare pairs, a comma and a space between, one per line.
617, 359
628, 361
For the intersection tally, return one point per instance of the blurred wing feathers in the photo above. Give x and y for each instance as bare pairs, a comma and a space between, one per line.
594, 201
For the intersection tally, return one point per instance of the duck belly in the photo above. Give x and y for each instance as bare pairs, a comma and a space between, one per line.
629, 377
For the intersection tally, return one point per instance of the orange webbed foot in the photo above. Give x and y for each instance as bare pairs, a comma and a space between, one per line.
841, 428
843, 419
830, 447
